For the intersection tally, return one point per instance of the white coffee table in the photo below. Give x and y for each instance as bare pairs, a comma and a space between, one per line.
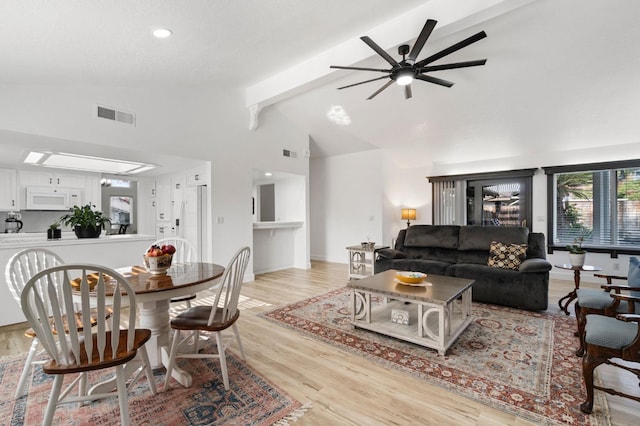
438, 313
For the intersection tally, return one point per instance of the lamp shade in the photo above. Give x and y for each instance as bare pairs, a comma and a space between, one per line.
408, 214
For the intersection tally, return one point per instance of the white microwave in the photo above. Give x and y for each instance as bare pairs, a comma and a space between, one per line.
46, 198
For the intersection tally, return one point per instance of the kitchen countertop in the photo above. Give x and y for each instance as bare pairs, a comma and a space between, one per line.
278, 224
20, 240
112, 251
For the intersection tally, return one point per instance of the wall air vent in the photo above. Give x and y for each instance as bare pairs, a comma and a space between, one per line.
115, 115
287, 153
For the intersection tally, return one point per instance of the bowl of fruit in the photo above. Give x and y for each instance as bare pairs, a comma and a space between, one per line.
408, 277
157, 259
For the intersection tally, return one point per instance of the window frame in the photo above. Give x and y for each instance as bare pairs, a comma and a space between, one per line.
525, 174
551, 171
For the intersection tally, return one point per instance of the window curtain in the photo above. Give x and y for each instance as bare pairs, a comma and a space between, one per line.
448, 202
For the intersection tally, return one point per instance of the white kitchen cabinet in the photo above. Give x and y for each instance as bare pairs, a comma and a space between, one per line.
198, 176
92, 191
162, 231
47, 178
163, 198
146, 206
88, 182
8, 190
178, 183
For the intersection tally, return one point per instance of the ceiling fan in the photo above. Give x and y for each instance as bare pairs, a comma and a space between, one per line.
407, 70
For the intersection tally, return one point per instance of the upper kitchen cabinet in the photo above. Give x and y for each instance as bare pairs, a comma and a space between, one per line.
93, 191
163, 198
8, 190
47, 178
178, 183
85, 185
198, 176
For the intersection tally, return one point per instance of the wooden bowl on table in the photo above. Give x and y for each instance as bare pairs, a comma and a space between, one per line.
409, 277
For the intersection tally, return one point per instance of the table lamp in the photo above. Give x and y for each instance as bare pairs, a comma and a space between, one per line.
409, 215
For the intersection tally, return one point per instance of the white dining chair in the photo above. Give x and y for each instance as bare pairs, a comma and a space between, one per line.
86, 349
221, 315
185, 252
19, 269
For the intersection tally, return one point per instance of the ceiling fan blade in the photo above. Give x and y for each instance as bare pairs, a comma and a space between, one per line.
453, 48
434, 80
407, 91
372, 44
453, 65
422, 38
357, 68
387, 84
363, 82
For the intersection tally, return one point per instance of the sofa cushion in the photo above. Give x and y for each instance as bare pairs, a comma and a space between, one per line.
535, 265
438, 236
390, 253
506, 256
426, 266
476, 237
432, 253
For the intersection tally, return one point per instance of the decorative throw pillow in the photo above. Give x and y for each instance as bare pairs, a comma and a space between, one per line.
506, 256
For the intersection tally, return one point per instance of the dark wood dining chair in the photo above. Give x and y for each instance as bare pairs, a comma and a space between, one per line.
86, 348
591, 301
221, 315
607, 340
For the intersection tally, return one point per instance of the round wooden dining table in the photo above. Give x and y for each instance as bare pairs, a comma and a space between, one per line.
153, 293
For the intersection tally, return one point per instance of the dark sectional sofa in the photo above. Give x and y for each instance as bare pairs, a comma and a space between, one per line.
463, 251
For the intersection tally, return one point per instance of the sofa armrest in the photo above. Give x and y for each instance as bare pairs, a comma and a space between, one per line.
390, 253
535, 265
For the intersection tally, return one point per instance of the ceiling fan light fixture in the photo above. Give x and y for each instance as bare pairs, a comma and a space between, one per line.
406, 70
405, 78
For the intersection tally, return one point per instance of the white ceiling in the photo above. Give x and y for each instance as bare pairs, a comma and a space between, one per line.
230, 42
537, 50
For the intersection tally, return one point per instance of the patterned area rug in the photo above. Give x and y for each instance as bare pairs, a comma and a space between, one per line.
252, 400
518, 361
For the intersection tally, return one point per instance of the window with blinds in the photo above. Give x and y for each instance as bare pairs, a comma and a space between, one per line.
488, 199
597, 202
445, 208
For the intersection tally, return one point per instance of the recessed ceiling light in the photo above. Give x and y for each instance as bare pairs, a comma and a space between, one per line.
162, 33
268, 174
61, 160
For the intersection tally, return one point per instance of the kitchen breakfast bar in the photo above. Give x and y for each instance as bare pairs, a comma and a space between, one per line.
113, 251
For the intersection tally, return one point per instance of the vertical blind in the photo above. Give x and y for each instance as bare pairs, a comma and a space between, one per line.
448, 202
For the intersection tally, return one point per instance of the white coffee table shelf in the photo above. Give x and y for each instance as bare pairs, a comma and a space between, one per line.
438, 314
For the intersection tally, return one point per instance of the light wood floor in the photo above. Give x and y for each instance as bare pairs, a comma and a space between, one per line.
346, 389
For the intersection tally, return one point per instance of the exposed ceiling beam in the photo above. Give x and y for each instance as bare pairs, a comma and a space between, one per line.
452, 16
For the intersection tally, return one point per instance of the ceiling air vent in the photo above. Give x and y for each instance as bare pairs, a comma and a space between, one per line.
291, 154
115, 115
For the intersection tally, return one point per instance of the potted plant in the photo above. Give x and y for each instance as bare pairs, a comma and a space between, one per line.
577, 254
54, 232
85, 221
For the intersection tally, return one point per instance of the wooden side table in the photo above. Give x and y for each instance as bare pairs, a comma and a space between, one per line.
361, 260
576, 280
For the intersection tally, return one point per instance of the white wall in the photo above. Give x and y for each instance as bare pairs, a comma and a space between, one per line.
346, 203
209, 124
290, 199
333, 180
